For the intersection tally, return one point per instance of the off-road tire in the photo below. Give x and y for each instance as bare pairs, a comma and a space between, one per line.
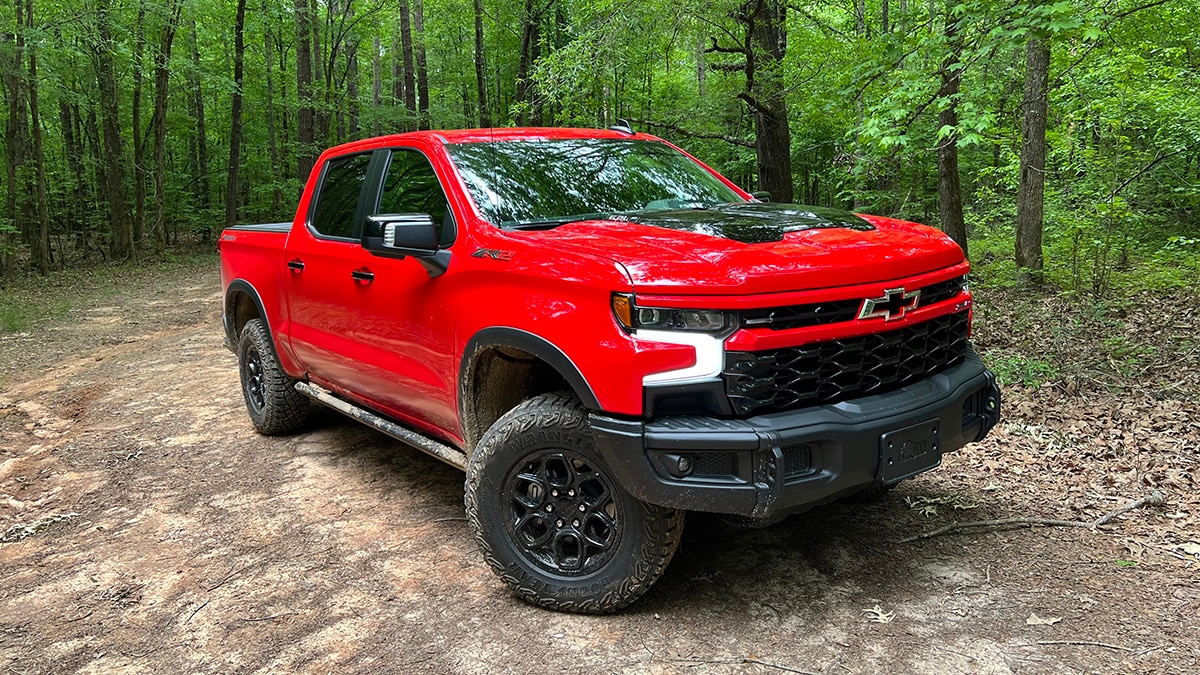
518, 482
274, 405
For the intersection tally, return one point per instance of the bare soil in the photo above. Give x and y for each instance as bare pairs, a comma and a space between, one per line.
147, 528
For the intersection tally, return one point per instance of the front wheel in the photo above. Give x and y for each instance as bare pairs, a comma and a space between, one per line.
274, 405
550, 519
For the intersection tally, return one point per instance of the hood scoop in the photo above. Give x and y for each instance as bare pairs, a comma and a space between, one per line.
749, 222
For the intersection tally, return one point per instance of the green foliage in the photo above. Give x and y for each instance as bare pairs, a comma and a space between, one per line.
1012, 367
1123, 166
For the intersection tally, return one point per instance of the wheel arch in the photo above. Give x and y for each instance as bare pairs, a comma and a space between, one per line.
503, 366
242, 303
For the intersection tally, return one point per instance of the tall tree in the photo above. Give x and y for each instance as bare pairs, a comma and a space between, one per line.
764, 26
406, 46
139, 149
422, 71
158, 123
16, 129
235, 115
195, 85
41, 242
305, 132
485, 117
1031, 194
103, 50
950, 203
272, 140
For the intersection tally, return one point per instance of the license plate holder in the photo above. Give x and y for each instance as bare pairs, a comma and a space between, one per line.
906, 452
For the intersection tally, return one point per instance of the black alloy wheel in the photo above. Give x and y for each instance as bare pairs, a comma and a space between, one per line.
551, 519
562, 513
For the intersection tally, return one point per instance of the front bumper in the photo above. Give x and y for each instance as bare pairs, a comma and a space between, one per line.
781, 463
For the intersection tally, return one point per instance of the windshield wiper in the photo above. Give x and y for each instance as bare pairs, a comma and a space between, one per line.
551, 223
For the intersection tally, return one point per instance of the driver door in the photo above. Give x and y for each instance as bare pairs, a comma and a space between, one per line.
404, 327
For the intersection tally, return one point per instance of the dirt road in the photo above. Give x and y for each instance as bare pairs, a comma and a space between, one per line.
148, 528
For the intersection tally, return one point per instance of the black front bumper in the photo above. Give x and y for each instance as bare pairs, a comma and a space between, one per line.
785, 462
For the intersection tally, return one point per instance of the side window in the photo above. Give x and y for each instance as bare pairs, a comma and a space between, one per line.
337, 200
411, 186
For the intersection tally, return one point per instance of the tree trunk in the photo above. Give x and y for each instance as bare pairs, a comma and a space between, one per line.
272, 142
201, 130
352, 106
235, 116
485, 116
1031, 193
41, 243
304, 122
397, 73
162, 79
110, 121
16, 133
139, 149
949, 187
422, 72
406, 46
529, 23
376, 86
767, 46
73, 153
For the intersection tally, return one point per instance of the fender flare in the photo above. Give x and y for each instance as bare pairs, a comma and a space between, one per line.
502, 336
228, 318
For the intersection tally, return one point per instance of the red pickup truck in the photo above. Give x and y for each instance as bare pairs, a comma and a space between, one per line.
603, 333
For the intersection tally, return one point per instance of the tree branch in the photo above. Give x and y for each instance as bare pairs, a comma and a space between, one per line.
732, 140
724, 50
1144, 170
1155, 498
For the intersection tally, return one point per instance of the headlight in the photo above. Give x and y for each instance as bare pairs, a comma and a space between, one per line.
631, 317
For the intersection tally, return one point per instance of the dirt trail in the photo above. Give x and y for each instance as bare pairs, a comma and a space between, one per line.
168, 537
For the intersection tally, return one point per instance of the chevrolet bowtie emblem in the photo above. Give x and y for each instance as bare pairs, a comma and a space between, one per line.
894, 303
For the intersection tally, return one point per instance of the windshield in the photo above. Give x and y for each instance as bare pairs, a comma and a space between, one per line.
544, 183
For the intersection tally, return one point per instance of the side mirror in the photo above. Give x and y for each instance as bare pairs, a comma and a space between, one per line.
399, 235
761, 195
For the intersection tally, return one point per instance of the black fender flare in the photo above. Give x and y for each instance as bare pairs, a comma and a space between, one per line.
228, 317
503, 336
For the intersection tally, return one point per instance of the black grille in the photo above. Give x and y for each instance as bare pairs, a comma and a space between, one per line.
799, 316
797, 461
714, 464
837, 311
943, 290
825, 372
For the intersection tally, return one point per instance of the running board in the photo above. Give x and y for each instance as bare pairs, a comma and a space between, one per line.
423, 443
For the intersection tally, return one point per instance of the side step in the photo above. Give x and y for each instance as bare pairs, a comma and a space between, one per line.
421, 442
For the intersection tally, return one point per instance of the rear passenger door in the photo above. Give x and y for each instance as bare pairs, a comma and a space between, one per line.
405, 323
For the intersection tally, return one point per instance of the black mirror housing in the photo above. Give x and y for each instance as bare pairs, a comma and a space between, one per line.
400, 235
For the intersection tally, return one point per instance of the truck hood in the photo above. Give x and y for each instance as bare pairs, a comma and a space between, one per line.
752, 248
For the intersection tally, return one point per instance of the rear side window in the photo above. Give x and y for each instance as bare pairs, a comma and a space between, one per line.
411, 186
337, 200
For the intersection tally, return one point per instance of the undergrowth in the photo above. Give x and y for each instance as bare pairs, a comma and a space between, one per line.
27, 302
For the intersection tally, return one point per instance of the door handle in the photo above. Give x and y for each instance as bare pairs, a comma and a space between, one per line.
296, 265
363, 275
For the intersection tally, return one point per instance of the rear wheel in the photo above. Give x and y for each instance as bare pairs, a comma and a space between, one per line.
550, 519
274, 405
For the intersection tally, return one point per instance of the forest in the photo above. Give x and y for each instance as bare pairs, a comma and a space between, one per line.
1057, 141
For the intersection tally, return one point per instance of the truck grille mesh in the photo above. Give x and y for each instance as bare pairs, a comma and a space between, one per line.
825, 372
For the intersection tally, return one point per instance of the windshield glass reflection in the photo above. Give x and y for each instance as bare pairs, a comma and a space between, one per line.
534, 184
